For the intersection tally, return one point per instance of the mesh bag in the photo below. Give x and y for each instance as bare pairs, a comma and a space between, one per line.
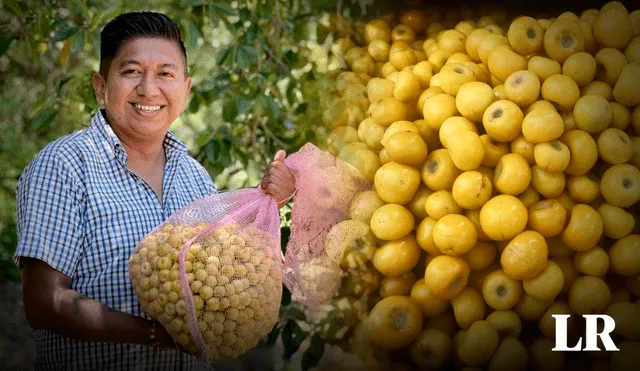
212, 273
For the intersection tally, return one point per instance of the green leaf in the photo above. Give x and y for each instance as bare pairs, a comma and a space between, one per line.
44, 118
13, 6
225, 8
203, 139
242, 58
312, 356
43, 26
187, 3
273, 106
66, 33
223, 54
5, 42
295, 313
251, 52
192, 33
242, 103
292, 337
77, 42
273, 335
229, 110
194, 104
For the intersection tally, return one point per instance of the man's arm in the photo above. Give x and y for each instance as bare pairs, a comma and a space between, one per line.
50, 304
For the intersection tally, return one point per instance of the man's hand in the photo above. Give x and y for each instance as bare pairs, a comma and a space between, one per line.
278, 181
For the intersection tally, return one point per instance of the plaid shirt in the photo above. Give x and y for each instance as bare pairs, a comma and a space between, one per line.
82, 211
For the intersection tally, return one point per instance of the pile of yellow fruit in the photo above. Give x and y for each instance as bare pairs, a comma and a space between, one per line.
236, 285
504, 154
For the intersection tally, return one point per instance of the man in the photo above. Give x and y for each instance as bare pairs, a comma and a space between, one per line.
88, 198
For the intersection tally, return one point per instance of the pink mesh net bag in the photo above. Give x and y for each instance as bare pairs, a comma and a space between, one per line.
212, 274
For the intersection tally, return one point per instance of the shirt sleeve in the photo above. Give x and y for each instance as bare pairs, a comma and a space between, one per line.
50, 214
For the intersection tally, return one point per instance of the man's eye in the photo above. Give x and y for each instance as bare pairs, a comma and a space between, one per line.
167, 74
130, 72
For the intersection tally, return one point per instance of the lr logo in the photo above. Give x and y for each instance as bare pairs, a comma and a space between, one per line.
591, 330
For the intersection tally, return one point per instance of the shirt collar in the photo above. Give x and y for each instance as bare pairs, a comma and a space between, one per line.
172, 145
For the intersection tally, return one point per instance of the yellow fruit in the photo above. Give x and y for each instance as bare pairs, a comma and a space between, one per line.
584, 229
588, 295
584, 151
503, 120
525, 256
366, 161
439, 108
407, 86
488, 44
415, 19
610, 63
493, 151
402, 56
562, 91
350, 243
525, 35
546, 285
581, 67
583, 188
430, 306
615, 146
529, 197
466, 149
552, 156
613, 29
503, 62
468, 307
542, 126
377, 30
627, 88
397, 285
547, 324
621, 116
624, 256
530, 308
452, 40
563, 38
590, 45
592, 262
547, 217
379, 50
544, 67
478, 345
406, 148
396, 127
416, 205
396, 183
404, 33
427, 94
500, 291
616, 221
620, 185
592, 113
441, 203
431, 349
503, 217
391, 222
541, 357
424, 236
439, 172
454, 235
480, 256
453, 76
395, 322
569, 122
474, 216
446, 276
540, 105
473, 41
453, 123
635, 160
397, 257
511, 355
363, 206
625, 316
424, 72
522, 146
473, 99
522, 88
387, 111
341, 136
379, 88
472, 189
512, 175
632, 51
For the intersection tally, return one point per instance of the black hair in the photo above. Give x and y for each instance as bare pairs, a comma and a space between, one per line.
128, 26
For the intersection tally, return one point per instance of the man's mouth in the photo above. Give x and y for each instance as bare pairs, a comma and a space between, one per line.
149, 109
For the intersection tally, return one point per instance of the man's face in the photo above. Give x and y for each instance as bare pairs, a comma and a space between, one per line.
146, 88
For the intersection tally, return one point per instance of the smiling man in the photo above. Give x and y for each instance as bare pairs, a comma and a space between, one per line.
88, 198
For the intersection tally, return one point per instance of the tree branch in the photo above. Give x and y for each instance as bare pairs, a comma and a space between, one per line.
270, 134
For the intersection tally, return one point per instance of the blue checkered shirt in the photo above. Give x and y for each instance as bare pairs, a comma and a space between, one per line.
82, 211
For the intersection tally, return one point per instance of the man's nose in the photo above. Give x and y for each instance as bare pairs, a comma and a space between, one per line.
148, 85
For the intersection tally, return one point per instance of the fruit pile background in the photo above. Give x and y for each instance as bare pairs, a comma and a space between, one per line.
503, 149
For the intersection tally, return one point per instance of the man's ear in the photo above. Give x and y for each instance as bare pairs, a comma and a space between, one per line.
99, 87
188, 85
